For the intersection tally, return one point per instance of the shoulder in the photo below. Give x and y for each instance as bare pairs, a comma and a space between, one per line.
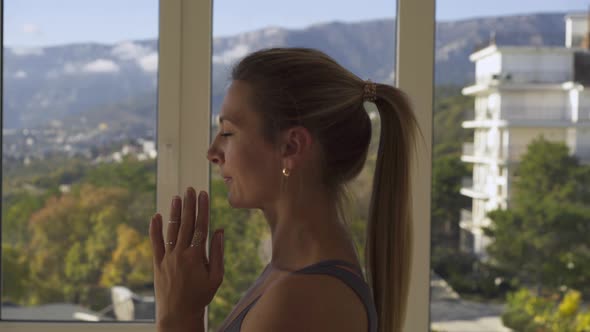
301, 302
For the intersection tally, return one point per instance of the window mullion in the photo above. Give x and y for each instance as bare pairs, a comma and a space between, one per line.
184, 94
415, 76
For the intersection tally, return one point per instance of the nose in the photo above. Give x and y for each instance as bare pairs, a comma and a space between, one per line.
215, 155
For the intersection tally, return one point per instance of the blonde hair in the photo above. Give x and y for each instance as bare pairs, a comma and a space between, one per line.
301, 86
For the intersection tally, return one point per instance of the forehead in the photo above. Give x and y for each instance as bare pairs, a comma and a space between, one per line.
236, 107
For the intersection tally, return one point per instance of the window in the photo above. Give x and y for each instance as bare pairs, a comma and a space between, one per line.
515, 233
78, 160
184, 40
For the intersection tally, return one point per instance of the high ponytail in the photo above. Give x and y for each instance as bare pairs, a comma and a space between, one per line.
389, 229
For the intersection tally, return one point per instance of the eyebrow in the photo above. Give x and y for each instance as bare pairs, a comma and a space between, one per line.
226, 118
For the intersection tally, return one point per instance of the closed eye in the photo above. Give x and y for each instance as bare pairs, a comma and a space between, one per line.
226, 134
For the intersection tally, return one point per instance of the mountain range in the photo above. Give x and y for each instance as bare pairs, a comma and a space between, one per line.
82, 80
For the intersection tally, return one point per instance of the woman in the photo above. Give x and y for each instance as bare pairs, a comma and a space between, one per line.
293, 132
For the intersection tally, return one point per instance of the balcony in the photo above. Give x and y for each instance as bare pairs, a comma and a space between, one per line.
479, 154
526, 77
467, 182
467, 149
466, 221
535, 113
468, 189
584, 114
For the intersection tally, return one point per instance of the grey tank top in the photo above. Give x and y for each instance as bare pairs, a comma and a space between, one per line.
358, 284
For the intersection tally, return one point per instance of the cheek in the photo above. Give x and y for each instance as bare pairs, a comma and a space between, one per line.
247, 160
257, 168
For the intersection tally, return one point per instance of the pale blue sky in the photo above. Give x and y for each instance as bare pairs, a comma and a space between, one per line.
43, 22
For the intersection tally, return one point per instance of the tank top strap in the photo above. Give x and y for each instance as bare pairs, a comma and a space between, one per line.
329, 263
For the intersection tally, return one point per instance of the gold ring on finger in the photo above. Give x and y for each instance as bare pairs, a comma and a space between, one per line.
196, 239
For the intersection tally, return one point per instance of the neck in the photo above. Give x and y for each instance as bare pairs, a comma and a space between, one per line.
305, 230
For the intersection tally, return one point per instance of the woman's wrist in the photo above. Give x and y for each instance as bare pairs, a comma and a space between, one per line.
194, 323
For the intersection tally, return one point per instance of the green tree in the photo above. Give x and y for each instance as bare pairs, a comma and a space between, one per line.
448, 135
136, 176
447, 201
16, 211
15, 273
73, 238
542, 239
131, 262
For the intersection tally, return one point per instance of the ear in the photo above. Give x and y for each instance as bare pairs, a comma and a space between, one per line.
296, 145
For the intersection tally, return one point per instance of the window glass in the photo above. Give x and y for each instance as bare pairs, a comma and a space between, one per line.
361, 37
78, 159
510, 167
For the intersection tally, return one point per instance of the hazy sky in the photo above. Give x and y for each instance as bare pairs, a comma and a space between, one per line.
43, 22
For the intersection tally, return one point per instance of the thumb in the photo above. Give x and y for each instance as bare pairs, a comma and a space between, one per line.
217, 268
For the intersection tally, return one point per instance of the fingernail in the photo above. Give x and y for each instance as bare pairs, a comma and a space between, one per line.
175, 202
202, 197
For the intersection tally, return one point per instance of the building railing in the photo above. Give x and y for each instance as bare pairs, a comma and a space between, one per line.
468, 149
535, 113
467, 182
584, 114
512, 153
482, 151
466, 215
515, 152
541, 76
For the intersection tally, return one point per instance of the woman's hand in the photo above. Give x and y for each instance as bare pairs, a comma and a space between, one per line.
185, 280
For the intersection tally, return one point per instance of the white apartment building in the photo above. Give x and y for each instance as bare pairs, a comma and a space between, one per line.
521, 93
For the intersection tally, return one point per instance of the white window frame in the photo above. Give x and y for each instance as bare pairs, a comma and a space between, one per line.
184, 122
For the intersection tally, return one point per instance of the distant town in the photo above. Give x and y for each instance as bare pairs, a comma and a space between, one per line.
98, 144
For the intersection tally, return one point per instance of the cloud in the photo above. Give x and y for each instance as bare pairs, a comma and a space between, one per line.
229, 56
31, 29
24, 51
97, 66
145, 57
149, 63
130, 51
70, 68
101, 66
272, 31
20, 74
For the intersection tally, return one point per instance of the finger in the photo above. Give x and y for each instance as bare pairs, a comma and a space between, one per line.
202, 223
187, 226
173, 223
216, 266
157, 239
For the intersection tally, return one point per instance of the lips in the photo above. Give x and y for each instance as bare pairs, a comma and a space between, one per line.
226, 179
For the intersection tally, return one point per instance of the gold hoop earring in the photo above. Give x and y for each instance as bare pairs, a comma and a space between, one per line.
286, 172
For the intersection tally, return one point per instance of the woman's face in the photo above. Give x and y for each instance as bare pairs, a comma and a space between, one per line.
249, 165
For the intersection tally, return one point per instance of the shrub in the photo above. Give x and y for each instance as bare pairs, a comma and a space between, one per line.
528, 312
467, 276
